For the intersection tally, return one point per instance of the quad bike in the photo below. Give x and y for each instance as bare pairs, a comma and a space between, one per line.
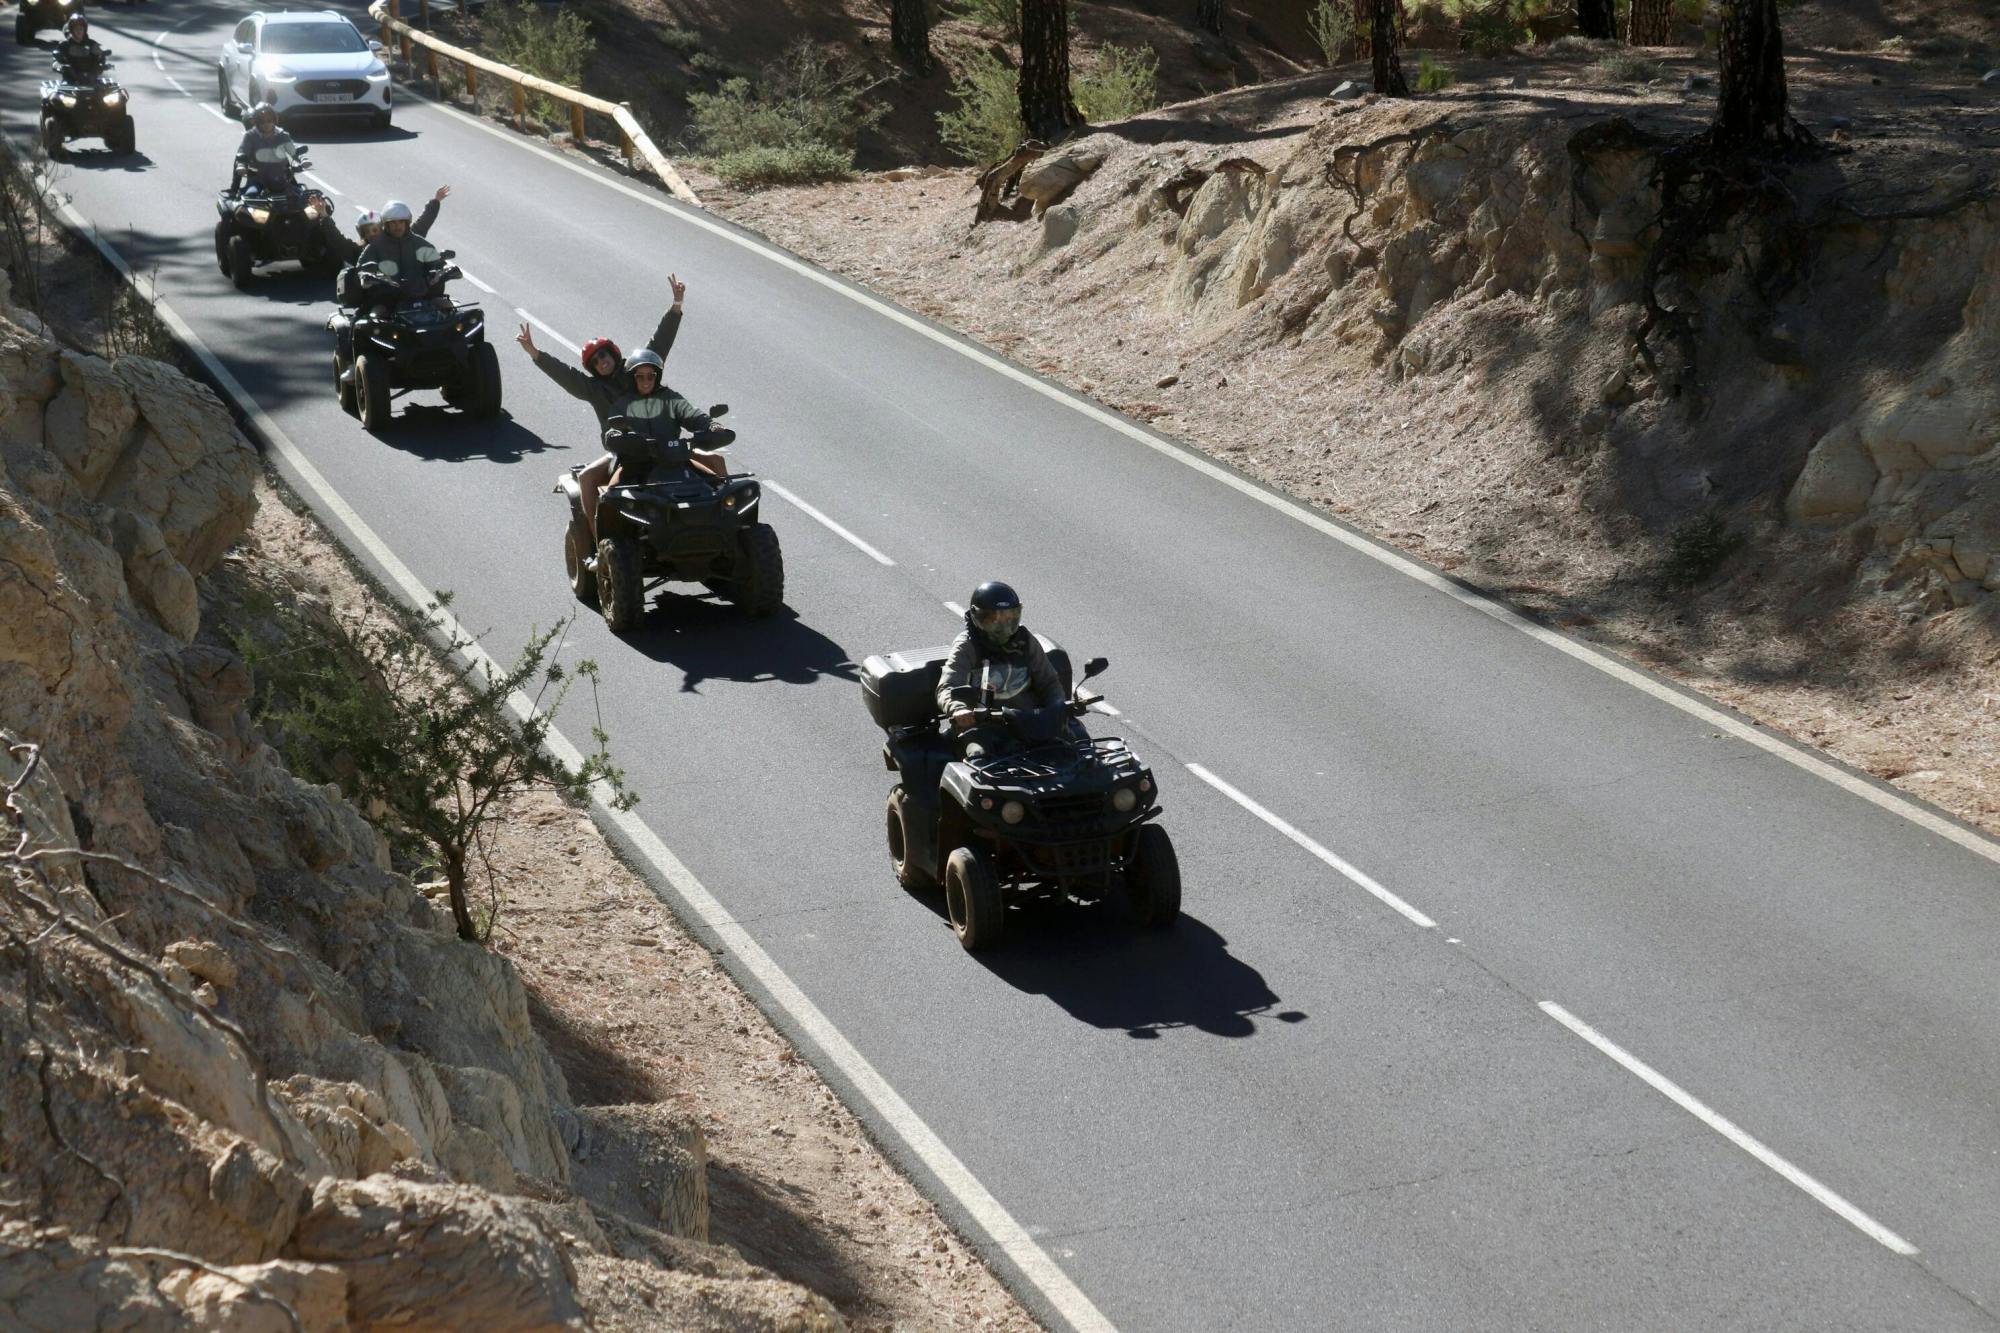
666, 520
86, 106
256, 226
34, 15
383, 351
1048, 812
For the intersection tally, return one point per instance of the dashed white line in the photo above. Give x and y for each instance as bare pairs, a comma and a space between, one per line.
179, 87
1345, 867
213, 112
827, 523
551, 332
954, 608
319, 181
476, 282
1679, 1096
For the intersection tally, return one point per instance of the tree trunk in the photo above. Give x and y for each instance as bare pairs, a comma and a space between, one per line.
461, 906
1752, 106
1651, 23
1382, 49
910, 33
1047, 108
1596, 18
1208, 16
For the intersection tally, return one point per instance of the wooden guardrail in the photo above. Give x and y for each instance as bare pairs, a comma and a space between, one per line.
633, 139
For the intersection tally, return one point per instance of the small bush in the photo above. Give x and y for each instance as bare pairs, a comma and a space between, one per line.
1690, 11
986, 123
1001, 16
1696, 548
1624, 67
681, 41
1120, 85
554, 46
1332, 23
799, 122
704, 62
1576, 46
1432, 77
784, 164
1493, 29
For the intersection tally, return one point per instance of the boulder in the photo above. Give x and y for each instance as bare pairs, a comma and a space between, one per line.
1051, 178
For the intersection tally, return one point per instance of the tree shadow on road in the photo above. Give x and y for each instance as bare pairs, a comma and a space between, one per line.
710, 639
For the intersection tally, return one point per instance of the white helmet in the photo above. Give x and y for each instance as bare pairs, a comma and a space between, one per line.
369, 218
397, 211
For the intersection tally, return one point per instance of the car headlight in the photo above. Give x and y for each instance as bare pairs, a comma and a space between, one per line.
260, 216
379, 74
1013, 812
1124, 800
280, 76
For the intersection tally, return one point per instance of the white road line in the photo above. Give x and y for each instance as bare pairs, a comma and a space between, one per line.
897, 1115
178, 85
213, 112
1674, 1093
1886, 798
1343, 866
476, 282
954, 608
1102, 707
551, 332
827, 523
319, 181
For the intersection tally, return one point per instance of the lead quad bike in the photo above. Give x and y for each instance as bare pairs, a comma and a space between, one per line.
34, 15
665, 520
256, 226
92, 106
382, 351
1055, 814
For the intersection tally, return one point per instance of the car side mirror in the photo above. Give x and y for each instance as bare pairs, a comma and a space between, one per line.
719, 410
1095, 667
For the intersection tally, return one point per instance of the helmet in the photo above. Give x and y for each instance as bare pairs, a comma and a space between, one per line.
646, 356
994, 613
264, 108
396, 211
596, 345
76, 21
367, 222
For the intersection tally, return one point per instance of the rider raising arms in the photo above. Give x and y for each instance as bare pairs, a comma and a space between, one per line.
399, 263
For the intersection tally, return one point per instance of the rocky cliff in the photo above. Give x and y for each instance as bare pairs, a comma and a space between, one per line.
251, 1078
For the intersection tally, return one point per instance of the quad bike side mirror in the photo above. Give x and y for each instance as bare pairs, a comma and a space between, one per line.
447, 254
719, 410
1095, 667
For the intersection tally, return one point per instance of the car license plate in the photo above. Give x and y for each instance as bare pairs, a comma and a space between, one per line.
334, 97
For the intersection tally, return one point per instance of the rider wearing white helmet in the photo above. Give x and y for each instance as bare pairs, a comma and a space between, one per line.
399, 262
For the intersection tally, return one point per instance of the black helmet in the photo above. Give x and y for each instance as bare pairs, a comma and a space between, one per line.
994, 613
76, 21
263, 108
646, 356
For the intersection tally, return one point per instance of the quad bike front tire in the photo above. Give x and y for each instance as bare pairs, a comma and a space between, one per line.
371, 392
621, 584
52, 138
343, 388
124, 137
24, 31
759, 585
1153, 880
484, 365
223, 231
913, 877
972, 898
582, 578
242, 262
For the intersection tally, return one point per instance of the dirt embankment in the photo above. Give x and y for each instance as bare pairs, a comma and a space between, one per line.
251, 1078
1420, 316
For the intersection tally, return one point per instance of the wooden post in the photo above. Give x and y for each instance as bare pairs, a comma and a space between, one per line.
424, 14
576, 123
388, 32
431, 63
520, 108
472, 82
625, 142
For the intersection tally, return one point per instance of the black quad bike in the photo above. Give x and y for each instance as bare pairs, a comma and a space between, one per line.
34, 15
381, 352
80, 106
256, 226
669, 521
1047, 812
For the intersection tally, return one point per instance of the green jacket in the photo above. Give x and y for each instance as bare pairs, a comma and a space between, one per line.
605, 392
407, 262
653, 426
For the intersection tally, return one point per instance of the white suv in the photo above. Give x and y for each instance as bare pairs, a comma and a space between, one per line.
303, 62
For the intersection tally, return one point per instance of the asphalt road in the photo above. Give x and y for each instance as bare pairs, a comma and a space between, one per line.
1304, 1108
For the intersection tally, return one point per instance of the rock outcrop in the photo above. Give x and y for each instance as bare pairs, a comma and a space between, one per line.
251, 1078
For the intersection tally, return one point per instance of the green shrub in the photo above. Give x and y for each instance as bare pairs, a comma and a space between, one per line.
1690, 11
1432, 77
798, 122
1574, 45
554, 46
1493, 29
1001, 16
705, 62
1696, 548
681, 41
1624, 67
1119, 85
1332, 23
986, 124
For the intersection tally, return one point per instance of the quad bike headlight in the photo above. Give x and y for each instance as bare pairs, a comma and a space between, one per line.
1124, 800
114, 99
260, 216
67, 99
1013, 812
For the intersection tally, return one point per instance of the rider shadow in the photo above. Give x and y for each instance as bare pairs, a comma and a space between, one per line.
710, 639
440, 434
1140, 982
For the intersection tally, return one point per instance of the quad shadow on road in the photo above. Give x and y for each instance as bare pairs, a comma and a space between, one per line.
1102, 971
103, 159
710, 639
430, 430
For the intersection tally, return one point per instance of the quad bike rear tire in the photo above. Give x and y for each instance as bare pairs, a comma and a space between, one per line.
343, 388
124, 137
760, 570
242, 262
371, 392
913, 877
972, 898
484, 404
52, 138
621, 584
1153, 880
582, 578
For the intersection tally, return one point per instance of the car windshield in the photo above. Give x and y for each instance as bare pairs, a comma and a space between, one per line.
314, 38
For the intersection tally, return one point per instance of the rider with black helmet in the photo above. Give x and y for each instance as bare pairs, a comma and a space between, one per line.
653, 416
79, 58
994, 651
265, 156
